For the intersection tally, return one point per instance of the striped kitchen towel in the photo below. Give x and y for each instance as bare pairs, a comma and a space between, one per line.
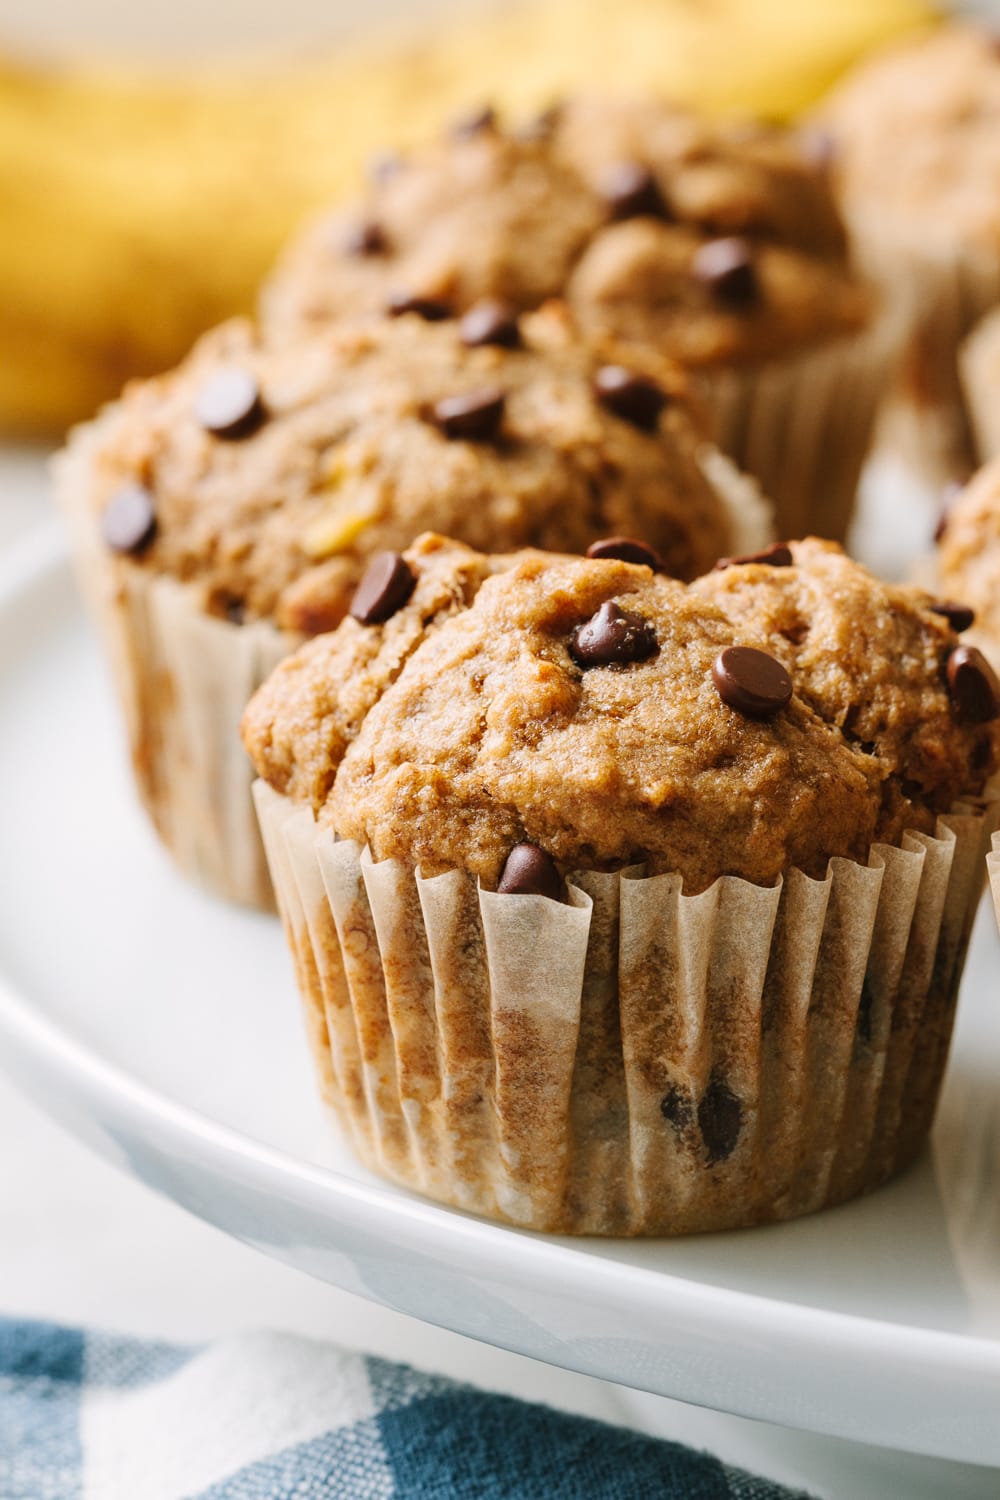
266, 1416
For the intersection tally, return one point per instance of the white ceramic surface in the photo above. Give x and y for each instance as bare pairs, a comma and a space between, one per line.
162, 1029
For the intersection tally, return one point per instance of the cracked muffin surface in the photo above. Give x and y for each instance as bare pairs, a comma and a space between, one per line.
265, 478
622, 206
763, 718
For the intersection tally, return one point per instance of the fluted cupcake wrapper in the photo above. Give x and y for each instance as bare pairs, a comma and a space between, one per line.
184, 678
634, 1061
803, 425
993, 864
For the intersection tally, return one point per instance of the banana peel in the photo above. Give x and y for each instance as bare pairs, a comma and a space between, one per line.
137, 208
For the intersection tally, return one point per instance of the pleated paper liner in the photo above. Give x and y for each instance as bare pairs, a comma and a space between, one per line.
185, 677
993, 864
635, 1061
803, 425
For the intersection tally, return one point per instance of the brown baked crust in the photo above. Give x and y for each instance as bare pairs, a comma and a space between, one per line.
494, 214
917, 129
492, 733
349, 460
969, 555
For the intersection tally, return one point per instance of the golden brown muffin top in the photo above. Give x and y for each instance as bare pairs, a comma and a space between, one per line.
969, 554
608, 716
717, 245
266, 478
917, 131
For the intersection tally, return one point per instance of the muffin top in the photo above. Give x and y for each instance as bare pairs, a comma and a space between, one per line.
770, 715
716, 245
265, 478
969, 554
917, 133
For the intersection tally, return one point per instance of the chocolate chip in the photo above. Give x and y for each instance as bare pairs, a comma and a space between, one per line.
474, 415
625, 549
367, 238
476, 122
726, 267
612, 637
635, 398
230, 405
235, 611
675, 1107
431, 309
751, 681
630, 190
778, 555
720, 1118
949, 497
387, 584
529, 871
128, 522
959, 616
490, 322
973, 686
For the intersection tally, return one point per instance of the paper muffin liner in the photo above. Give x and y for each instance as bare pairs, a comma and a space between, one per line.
802, 426
184, 678
979, 372
993, 865
636, 1061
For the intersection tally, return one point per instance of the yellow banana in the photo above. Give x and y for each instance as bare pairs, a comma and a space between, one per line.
137, 209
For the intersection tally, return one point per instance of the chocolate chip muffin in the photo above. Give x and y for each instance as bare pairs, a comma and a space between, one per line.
721, 248
917, 164
658, 894
979, 368
250, 487
968, 557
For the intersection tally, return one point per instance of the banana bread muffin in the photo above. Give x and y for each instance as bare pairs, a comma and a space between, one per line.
731, 814
917, 165
722, 248
228, 509
968, 556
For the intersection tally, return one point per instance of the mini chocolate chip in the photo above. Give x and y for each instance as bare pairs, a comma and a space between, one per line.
626, 549
726, 267
751, 681
675, 1107
367, 238
949, 497
631, 191
720, 1118
477, 122
959, 616
128, 522
235, 611
431, 309
612, 637
778, 555
529, 871
230, 405
490, 322
973, 685
474, 415
635, 398
387, 584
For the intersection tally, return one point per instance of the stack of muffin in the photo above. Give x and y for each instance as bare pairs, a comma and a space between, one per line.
627, 857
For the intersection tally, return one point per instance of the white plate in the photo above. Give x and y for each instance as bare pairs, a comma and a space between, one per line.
162, 1028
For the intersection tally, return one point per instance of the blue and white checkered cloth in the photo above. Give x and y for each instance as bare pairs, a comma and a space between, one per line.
264, 1416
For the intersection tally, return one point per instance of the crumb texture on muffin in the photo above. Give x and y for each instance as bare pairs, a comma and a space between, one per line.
618, 205
969, 554
598, 710
268, 476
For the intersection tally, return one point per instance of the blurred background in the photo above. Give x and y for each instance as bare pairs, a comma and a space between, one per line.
154, 158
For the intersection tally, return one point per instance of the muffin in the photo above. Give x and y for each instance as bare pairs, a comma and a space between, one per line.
968, 556
227, 510
622, 906
917, 163
719, 247
979, 367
